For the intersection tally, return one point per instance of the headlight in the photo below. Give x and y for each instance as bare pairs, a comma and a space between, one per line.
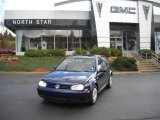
77, 87
42, 84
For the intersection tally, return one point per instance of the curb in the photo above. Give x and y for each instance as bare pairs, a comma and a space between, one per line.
19, 72
118, 73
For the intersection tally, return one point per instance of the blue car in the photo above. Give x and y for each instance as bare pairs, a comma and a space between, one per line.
77, 79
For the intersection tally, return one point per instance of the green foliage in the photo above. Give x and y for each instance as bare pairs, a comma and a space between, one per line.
44, 53
101, 51
58, 52
11, 44
32, 53
7, 40
115, 52
125, 64
79, 51
147, 51
0, 43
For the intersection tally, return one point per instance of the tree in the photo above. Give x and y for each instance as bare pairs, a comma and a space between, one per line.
4, 39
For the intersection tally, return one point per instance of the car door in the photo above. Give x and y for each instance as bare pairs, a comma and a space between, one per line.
107, 71
101, 73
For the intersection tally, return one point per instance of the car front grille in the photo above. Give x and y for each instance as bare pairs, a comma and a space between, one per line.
61, 86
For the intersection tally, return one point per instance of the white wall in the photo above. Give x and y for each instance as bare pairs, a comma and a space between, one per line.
123, 17
75, 6
102, 24
145, 25
156, 10
46, 14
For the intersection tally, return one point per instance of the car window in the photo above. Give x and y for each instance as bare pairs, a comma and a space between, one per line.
104, 65
78, 64
99, 61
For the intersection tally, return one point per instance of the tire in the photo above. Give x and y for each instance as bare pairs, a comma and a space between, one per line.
109, 82
93, 96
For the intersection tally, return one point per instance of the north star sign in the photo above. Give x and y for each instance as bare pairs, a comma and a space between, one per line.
126, 10
31, 22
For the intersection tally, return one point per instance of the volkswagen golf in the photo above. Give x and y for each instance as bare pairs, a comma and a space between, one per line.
76, 79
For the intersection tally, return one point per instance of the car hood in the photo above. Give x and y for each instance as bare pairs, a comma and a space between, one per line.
68, 77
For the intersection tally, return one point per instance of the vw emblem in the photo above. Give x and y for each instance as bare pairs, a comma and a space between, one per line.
57, 86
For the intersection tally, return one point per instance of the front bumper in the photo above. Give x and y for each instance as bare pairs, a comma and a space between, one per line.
63, 95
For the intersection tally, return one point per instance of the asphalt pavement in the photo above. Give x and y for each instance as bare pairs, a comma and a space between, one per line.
132, 97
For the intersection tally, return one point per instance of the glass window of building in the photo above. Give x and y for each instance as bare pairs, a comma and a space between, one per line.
157, 36
52, 39
61, 37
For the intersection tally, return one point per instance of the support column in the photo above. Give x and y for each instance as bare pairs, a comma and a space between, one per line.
102, 22
145, 20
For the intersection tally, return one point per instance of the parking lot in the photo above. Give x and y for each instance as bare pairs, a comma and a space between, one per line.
132, 97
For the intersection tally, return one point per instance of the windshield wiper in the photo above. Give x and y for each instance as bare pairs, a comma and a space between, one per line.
88, 71
73, 71
60, 70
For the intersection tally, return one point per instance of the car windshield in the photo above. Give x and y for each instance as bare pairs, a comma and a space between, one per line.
78, 65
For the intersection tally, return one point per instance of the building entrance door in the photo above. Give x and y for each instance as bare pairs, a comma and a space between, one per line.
157, 42
123, 40
116, 39
129, 40
117, 43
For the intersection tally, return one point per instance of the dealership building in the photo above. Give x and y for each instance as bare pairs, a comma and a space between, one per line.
128, 25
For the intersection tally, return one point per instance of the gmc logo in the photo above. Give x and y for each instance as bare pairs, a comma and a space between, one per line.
126, 10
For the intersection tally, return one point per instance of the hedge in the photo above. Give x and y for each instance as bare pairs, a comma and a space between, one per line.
147, 54
124, 64
79, 51
101, 51
115, 52
106, 51
44, 53
147, 51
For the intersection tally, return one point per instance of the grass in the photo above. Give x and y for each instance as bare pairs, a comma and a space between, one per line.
31, 63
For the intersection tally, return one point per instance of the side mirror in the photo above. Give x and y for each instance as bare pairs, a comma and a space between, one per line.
101, 69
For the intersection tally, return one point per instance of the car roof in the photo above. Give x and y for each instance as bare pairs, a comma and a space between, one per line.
85, 56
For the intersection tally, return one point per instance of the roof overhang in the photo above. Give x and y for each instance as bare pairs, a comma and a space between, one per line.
67, 2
